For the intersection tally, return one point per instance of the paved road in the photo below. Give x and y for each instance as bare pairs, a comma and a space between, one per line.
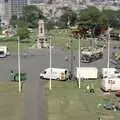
35, 102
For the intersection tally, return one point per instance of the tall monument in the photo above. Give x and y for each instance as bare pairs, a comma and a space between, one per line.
41, 37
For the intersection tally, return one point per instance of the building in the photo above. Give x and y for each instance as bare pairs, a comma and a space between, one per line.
16, 6
11, 7
35, 1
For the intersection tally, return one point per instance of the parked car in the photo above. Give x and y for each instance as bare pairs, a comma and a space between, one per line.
117, 93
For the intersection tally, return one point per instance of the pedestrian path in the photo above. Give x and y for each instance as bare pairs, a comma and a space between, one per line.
35, 107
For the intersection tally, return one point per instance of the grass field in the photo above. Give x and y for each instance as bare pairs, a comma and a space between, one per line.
11, 102
67, 102
12, 45
62, 36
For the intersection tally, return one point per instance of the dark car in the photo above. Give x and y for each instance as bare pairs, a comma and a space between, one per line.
88, 59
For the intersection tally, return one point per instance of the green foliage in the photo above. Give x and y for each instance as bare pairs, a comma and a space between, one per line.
70, 15
8, 39
23, 32
113, 18
89, 17
0, 29
31, 15
103, 20
21, 23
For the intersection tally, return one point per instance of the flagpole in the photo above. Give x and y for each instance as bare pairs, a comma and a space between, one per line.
19, 69
108, 62
19, 77
50, 86
79, 62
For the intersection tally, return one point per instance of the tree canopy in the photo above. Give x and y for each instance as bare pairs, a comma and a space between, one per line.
68, 16
90, 17
31, 15
23, 32
113, 18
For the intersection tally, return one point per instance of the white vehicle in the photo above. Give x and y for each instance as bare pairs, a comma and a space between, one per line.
3, 51
57, 74
111, 72
86, 72
112, 84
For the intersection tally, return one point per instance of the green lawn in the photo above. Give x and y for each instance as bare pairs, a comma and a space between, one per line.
62, 36
12, 45
67, 102
11, 102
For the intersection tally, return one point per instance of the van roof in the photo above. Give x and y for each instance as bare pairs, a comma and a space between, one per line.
86, 67
109, 69
60, 69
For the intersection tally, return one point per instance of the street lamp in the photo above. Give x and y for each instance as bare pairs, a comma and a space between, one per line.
19, 60
108, 62
79, 61
50, 86
19, 64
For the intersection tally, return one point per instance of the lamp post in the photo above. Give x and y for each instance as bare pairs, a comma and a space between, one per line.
108, 62
19, 77
50, 86
19, 64
79, 62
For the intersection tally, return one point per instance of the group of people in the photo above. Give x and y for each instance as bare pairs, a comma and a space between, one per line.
90, 89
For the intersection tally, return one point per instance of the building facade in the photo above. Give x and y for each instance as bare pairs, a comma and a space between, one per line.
35, 1
11, 7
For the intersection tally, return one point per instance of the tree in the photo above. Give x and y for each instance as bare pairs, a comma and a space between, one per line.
21, 23
68, 15
89, 17
113, 18
103, 20
92, 18
23, 32
32, 14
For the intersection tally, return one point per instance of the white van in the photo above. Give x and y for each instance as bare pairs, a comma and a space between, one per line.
86, 72
112, 83
110, 72
57, 74
3, 51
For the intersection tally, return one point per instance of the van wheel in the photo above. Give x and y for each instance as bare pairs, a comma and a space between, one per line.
41, 77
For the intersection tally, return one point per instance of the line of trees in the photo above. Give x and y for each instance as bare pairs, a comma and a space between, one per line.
87, 17
31, 15
90, 17
84, 18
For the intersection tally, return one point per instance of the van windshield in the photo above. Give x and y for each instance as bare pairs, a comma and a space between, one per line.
44, 72
1, 52
65, 71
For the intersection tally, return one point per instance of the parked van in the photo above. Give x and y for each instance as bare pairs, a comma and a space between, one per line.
111, 72
57, 74
112, 84
3, 51
86, 72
